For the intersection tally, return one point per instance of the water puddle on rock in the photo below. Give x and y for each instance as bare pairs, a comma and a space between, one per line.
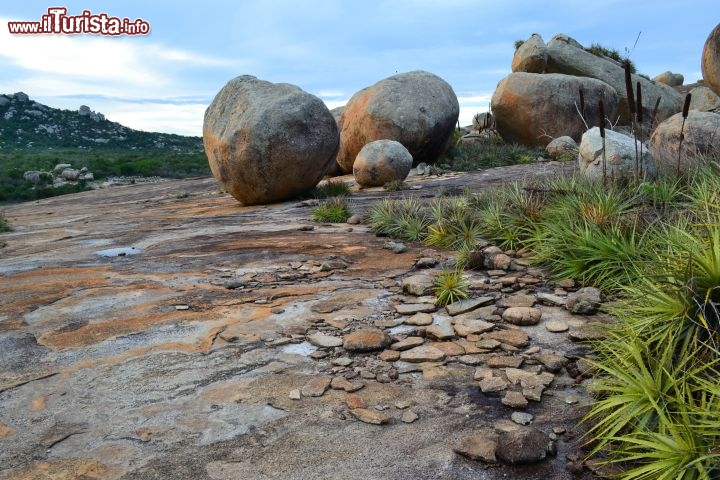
304, 348
118, 252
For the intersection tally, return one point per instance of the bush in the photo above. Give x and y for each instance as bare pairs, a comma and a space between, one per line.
450, 286
332, 210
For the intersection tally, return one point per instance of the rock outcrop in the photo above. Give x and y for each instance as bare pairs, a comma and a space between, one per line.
268, 142
565, 57
619, 156
711, 60
531, 56
701, 137
380, 162
670, 78
562, 148
704, 99
532, 109
418, 109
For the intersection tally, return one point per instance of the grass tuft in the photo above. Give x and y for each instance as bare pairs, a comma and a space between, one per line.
332, 210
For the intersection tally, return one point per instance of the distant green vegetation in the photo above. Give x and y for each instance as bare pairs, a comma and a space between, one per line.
102, 163
487, 153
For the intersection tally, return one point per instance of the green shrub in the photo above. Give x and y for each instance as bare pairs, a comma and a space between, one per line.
450, 286
331, 188
395, 186
487, 153
332, 210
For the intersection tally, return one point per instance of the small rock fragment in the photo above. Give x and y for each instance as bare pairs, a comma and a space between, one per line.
514, 400
478, 447
370, 416
409, 416
423, 353
522, 418
522, 316
316, 387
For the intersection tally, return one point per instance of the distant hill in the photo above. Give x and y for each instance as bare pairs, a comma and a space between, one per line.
25, 123
36, 138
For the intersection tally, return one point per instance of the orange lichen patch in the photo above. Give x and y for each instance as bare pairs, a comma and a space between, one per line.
26, 290
11, 324
97, 332
70, 469
38, 404
6, 431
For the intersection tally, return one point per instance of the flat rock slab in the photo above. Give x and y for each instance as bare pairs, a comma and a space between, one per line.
423, 353
413, 308
441, 330
370, 416
316, 387
324, 341
467, 305
478, 447
419, 319
522, 315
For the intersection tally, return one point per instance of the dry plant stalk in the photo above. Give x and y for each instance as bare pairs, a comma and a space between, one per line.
685, 110
601, 107
639, 117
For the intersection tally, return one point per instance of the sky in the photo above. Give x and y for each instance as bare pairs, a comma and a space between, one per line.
164, 81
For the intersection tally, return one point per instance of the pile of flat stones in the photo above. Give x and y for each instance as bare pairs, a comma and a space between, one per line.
488, 336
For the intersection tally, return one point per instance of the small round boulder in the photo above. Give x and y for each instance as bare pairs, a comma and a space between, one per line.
380, 162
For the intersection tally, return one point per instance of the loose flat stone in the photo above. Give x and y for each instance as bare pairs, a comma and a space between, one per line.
464, 327
523, 445
478, 447
522, 316
481, 373
502, 361
418, 285
517, 300
324, 341
493, 384
514, 337
470, 347
522, 418
487, 344
554, 363
340, 324
423, 353
586, 333
366, 340
294, 394
342, 361
533, 393
556, 326
389, 355
407, 344
419, 319
467, 305
370, 416
409, 416
451, 349
342, 383
470, 359
514, 400
551, 299
316, 387
442, 330
413, 308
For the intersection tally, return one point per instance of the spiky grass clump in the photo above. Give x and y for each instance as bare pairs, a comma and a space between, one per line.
450, 286
395, 186
487, 153
406, 218
332, 210
331, 188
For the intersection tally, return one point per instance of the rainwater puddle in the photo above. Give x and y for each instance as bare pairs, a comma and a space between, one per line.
304, 348
118, 252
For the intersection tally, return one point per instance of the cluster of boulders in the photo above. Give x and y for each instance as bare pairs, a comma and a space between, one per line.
270, 142
61, 174
552, 99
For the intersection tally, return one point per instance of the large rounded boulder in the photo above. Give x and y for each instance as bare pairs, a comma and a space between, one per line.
268, 142
711, 60
380, 162
418, 109
532, 109
531, 56
701, 138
